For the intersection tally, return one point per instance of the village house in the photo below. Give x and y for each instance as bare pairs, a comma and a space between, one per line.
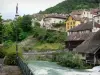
82, 16
80, 33
82, 13
72, 22
90, 49
49, 21
77, 17
97, 18
96, 15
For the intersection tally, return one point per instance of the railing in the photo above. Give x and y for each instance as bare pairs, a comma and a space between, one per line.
24, 68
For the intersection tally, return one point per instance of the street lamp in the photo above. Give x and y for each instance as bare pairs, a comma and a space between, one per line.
16, 17
1, 31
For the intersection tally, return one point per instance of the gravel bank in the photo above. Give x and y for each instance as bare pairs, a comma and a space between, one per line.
10, 70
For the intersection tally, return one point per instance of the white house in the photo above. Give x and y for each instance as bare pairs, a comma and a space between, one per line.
90, 14
48, 21
82, 13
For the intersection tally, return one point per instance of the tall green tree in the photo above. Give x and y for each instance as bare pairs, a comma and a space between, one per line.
26, 23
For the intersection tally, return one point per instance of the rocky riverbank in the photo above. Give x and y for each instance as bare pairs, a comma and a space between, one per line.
10, 70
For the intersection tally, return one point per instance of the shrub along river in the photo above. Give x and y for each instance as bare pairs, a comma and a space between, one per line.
51, 68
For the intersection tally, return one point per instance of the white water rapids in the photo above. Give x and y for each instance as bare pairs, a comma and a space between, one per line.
51, 68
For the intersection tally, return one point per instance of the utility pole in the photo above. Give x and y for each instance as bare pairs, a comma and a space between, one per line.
16, 17
1, 31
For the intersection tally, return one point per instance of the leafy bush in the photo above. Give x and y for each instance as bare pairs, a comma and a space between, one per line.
68, 59
8, 43
48, 36
23, 35
2, 53
10, 59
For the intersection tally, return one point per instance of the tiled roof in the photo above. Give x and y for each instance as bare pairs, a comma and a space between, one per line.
76, 18
84, 26
76, 12
97, 15
95, 11
56, 16
78, 36
91, 45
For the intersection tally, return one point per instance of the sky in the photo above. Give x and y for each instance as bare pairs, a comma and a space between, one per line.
8, 7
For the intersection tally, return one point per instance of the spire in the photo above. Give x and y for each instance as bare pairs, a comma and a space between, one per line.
16, 15
17, 8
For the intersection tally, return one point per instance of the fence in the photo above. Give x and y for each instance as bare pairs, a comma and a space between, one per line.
24, 68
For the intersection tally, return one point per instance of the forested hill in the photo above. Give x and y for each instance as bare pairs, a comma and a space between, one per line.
69, 5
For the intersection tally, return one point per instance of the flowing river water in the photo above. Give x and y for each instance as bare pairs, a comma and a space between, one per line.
51, 68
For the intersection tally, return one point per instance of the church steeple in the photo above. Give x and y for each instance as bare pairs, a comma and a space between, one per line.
16, 15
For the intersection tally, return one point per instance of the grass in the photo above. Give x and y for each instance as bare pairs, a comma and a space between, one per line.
48, 46
12, 49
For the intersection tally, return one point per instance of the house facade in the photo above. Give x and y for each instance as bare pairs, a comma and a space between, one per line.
97, 18
82, 16
86, 13
82, 13
72, 22
48, 21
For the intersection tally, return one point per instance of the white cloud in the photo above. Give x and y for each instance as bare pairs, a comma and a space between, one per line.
7, 7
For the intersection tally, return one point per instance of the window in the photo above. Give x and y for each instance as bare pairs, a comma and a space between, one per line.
87, 31
71, 26
71, 23
98, 21
74, 23
67, 27
84, 12
67, 23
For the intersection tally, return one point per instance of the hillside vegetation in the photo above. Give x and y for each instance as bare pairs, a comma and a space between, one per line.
68, 5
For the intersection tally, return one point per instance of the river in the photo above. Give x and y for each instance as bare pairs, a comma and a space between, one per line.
51, 68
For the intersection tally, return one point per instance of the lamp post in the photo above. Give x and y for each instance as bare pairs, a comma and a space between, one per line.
1, 31
16, 17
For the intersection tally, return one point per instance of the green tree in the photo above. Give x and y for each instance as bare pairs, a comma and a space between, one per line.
8, 31
26, 23
68, 5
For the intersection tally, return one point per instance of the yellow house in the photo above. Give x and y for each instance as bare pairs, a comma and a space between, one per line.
72, 22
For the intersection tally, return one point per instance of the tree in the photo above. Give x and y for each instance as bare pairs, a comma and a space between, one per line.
69, 5
26, 23
8, 31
